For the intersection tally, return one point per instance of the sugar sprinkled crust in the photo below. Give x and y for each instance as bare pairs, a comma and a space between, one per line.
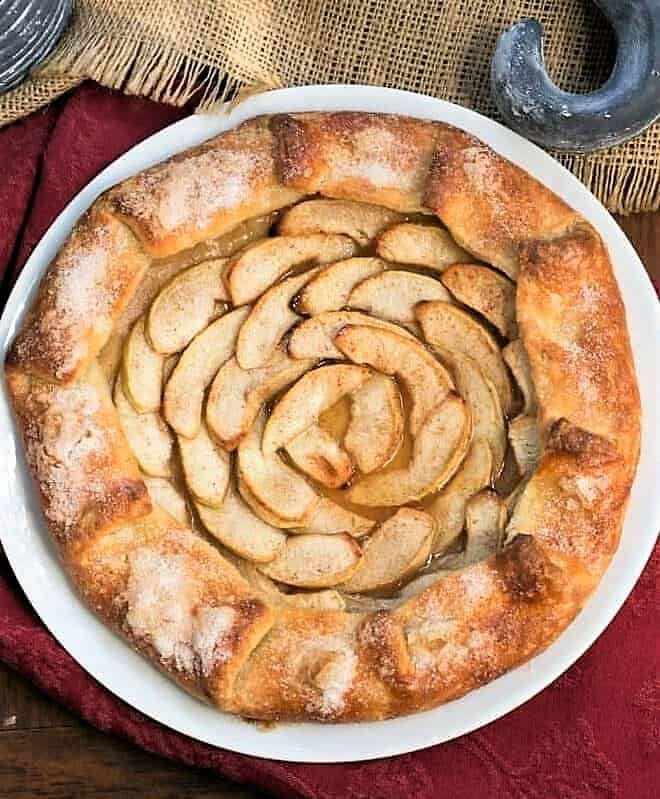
84, 291
490, 205
181, 602
203, 192
88, 478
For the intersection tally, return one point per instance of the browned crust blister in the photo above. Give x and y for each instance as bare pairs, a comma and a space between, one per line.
173, 595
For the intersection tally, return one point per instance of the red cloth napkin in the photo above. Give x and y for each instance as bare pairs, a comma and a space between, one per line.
594, 733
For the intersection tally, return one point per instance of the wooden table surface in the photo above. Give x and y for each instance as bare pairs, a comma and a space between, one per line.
47, 752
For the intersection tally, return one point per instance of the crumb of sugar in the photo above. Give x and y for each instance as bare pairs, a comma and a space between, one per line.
162, 596
335, 680
210, 637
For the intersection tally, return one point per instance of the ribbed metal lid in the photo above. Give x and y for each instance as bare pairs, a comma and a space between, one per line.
29, 30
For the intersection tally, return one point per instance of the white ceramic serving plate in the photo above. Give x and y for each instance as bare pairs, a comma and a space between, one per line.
111, 661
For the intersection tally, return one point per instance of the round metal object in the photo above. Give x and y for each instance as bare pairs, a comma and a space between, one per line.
29, 30
627, 103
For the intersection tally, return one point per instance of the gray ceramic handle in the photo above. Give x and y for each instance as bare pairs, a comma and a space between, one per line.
628, 101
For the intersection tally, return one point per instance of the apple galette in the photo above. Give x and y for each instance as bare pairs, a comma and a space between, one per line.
333, 417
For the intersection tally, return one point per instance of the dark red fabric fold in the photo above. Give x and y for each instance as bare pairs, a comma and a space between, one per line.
593, 733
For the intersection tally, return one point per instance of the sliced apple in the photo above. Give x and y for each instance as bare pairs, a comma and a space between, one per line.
305, 401
486, 291
169, 365
237, 394
516, 359
240, 530
525, 443
206, 468
485, 518
452, 330
260, 265
165, 495
207, 352
393, 295
424, 378
274, 485
314, 338
398, 548
186, 305
423, 245
484, 403
511, 499
326, 599
438, 451
329, 291
270, 318
316, 453
329, 518
448, 507
419, 584
147, 434
361, 221
375, 429
141, 370
315, 561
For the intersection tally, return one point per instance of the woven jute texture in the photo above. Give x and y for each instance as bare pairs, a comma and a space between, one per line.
207, 50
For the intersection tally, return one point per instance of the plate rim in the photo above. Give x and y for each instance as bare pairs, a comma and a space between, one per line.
323, 743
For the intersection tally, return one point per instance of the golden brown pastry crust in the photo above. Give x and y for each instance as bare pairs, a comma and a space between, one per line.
88, 478
174, 596
490, 205
204, 191
86, 288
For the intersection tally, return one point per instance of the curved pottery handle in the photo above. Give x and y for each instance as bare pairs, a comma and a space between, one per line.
627, 103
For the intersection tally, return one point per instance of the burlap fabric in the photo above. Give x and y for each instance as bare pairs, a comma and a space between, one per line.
175, 50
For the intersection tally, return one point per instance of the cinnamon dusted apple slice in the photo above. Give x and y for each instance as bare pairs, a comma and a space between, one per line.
314, 338
260, 265
399, 547
147, 434
393, 295
452, 330
269, 319
448, 507
329, 291
425, 379
141, 370
490, 293
315, 561
305, 401
326, 599
516, 359
240, 530
186, 305
511, 501
329, 518
206, 468
423, 245
237, 394
316, 453
276, 487
484, 403
169, 365
525, 443
197, 366
438, 451
361, 221
485, 518
165, 495
375, 429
